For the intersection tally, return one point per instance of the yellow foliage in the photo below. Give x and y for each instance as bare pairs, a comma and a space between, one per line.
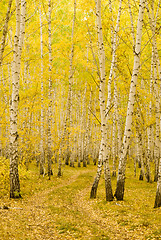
4, 175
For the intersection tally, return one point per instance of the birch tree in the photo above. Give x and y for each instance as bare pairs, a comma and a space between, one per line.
113, 73
105, 112
155, 67
103, 154
5, 28
83, 121
69, 100
42, 105
157, 89
49, 152
119, 193
18, 43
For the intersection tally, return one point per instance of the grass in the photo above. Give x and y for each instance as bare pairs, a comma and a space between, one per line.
60, 208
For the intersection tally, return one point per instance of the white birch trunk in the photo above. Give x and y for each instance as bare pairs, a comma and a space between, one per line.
140, 153
84, 127
49, 152
79, 135
103, 148
113, 72
88, 132
158, 192
42, 160
68, 111
70, 138
61, 135
132, 24
5, 28
157, 116
98, 175
18, 43
114, 144
155, 64
155, 58
113, 62
149, 128
149, 113
119, 193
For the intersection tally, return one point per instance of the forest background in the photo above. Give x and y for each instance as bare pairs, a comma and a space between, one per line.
54, 75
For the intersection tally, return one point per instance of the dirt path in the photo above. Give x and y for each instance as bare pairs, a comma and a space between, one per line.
30, 218
105, 220
59, 213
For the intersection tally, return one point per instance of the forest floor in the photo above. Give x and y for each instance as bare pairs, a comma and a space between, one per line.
60, 208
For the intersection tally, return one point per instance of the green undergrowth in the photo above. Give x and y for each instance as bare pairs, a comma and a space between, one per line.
61, 206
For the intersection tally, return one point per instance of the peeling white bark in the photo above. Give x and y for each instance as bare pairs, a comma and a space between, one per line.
18, 43
127, 133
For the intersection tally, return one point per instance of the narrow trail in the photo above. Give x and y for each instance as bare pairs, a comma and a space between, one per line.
40, 216
105, 221
30, 214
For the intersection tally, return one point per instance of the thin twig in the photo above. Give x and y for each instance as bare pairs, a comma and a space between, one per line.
94, 115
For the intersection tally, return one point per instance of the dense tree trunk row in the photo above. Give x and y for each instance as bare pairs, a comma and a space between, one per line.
63, 107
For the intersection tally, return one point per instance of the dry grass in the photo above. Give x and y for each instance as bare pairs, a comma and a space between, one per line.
61, 209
